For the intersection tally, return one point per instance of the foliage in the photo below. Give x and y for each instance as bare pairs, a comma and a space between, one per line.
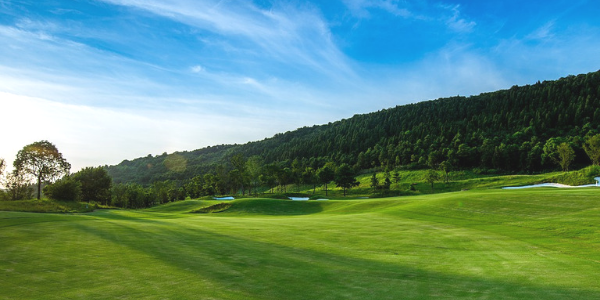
566, 155
65, 189
345, 177
132, 196
95, 185
580, 177
17, 187
374, 181
592, 148
2, 166
505, 131
326, 174
42, 161
431, 176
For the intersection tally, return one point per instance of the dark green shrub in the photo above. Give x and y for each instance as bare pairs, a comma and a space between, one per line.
65, 189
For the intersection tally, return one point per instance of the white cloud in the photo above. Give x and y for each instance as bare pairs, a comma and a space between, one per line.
456, 21
286, 33
197, 69
542, 33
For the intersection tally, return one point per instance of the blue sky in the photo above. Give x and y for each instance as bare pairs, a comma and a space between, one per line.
109, 80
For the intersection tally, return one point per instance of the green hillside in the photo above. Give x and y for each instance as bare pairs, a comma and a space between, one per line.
485, 244
502, 131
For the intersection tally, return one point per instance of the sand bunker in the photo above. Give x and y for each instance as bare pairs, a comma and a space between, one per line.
299, 198
557, 185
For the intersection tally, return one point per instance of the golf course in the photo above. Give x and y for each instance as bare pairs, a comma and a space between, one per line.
540, 243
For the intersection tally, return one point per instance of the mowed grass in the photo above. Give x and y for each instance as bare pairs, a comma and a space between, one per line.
487, 244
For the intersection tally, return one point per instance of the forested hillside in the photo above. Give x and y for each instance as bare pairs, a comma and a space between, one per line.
514, 130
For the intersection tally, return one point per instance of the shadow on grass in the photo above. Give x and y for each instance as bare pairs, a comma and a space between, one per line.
247, 268
273, 207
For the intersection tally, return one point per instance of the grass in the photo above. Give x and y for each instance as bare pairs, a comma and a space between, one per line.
46, 206
479, 244
458, 180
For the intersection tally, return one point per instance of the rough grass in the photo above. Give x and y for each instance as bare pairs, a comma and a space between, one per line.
215, 208
488, 244
46, 206
458, 180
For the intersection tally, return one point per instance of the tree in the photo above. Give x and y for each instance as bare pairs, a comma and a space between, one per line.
210, 184
238, 175
446, 167
2, 166
565, 156
345, 177
396, 176
95, 184
17, 187
387, 183
550, 151
43, 161
592, 148
374, 181
65, 189
254, 166
309, 176
326, 174
431, 176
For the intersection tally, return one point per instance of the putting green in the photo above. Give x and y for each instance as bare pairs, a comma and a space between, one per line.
493, 244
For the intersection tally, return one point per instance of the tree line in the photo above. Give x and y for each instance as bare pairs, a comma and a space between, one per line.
41, 163
517, 130
546, 126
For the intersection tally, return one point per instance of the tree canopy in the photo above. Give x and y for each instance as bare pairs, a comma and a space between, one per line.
42, 161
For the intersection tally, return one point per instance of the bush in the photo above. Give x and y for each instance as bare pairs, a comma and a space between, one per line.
581, 177
65, 189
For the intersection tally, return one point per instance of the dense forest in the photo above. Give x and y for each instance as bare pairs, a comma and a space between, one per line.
517, 130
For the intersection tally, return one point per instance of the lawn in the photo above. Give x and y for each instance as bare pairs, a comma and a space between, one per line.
480, 244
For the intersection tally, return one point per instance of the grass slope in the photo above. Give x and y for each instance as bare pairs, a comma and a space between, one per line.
489, 244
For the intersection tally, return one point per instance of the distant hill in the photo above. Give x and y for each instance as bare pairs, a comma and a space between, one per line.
505, 131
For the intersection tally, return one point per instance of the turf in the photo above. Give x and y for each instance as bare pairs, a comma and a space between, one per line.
485, 244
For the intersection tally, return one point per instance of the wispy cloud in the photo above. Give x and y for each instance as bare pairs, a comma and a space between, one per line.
148, 76
455, 20
360, 8
448, 14
289, 34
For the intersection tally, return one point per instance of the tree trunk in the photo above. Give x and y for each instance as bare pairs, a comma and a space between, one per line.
39, 187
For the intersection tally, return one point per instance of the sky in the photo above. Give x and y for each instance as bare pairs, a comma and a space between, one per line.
108, 80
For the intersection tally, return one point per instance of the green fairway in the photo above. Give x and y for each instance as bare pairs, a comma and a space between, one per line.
491, 244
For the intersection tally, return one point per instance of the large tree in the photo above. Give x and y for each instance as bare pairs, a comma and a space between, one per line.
345, 177
326, 174
565, 156
95, 184
431, 176
592, 148
42, 161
